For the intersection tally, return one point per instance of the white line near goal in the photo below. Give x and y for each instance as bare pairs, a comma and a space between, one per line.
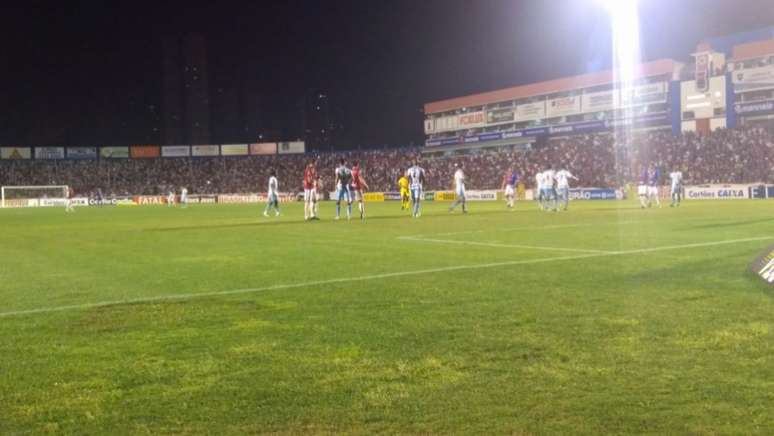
179, 297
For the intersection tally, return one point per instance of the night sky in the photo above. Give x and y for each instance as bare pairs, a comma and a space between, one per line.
89, 73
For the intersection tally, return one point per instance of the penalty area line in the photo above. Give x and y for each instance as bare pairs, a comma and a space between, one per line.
191, 296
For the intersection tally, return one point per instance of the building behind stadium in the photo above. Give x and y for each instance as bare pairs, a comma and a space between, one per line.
727, 82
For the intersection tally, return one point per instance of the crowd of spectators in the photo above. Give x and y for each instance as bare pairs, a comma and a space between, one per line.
598, 160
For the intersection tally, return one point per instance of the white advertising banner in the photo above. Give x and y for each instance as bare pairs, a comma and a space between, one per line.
531, 111
717, 192
751, 79
563, 106
445, 124
481, 195
175, 151
49, 152
471, 120
642, 94
205, 150
293, 147
429, 125
599, 101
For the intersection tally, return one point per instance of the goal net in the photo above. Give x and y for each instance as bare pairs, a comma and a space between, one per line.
33, 196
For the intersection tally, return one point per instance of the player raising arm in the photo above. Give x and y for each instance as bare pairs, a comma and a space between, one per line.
359, 183
563, 186
509, 185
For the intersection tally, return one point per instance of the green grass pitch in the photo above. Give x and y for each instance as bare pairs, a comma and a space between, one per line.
606, 319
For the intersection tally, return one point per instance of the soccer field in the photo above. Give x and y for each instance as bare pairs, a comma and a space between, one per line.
213, 319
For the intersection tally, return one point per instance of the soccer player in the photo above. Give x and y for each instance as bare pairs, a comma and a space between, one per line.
549, 192
563, 186
654, 174
642, 189
318, 197
272, 195
310, 192
171, 199
358, 182
184, 197
343, 188
69, 206
459, 189
539, 189
677, 187
403, 183
416, 176
509, 185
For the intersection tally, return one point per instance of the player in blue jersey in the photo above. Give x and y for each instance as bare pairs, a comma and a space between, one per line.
654, 176
509, 186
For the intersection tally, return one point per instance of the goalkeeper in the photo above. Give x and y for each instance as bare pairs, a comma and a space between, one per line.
403, 184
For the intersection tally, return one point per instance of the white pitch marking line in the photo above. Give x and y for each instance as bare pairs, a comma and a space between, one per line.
498, 245
166, 298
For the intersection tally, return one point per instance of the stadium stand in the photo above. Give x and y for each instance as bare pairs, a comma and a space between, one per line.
740, 155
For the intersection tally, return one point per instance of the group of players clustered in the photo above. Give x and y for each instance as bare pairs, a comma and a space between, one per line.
553, 189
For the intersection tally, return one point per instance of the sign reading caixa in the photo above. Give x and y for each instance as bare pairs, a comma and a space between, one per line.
763, 266
717, 192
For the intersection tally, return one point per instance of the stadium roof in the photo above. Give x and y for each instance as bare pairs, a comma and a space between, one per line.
655, 68
753, 50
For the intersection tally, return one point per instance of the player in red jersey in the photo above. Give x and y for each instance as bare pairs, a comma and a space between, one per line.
359, 183
310, 192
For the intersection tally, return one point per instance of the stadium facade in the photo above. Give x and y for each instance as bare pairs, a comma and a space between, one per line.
728, 81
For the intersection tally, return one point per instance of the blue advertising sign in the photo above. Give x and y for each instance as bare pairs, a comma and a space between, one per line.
81, 152
593, 194
754, 108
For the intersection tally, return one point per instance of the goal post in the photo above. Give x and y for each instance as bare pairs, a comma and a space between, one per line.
33, 196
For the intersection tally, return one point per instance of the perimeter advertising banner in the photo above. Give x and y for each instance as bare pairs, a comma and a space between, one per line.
595, 194
176, 151
752, 79
293, 147
15, 153
717, 192
599, 101
531, 111
763, 266
144, 151
234, 150
471, 120
263, 148
563, 106
49, 153
500, 116
205, 150
82, 152
114, 152
373, 196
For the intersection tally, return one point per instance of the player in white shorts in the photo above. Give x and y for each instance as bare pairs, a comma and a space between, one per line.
184, 197
343, 188
642, 189
171, 199
654, 174
549, 192
676, 178
310, 192
563, 187
459, 189
509, 185
416, 176
272, 195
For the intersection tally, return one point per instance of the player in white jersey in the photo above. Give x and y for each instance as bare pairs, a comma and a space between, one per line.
563, 187
539, 189
549, 192
69, 205
459, 189
343, 188
184, 197
677, 187
416, 176
171, 199
272, 195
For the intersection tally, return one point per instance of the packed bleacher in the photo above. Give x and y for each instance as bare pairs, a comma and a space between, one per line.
599, 160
